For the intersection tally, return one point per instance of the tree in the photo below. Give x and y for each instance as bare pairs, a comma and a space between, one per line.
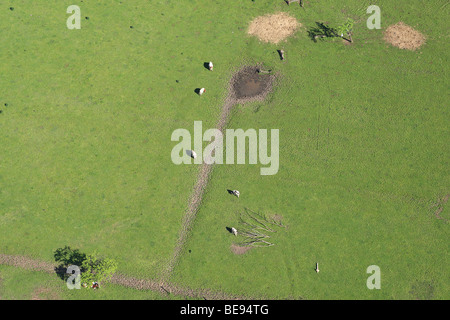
346, 28
95, 269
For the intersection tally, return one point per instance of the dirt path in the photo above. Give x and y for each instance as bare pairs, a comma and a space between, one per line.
27, 263
119, 279
195, 199
241, 89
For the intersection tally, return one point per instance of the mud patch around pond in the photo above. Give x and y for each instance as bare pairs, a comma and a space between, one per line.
250, 84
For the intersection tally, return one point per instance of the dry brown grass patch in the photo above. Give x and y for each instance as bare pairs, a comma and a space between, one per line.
238, 249
273, 28
44, 294
403, 36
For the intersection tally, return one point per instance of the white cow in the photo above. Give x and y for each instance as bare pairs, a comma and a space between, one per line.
191, 153
210, 66
202, 91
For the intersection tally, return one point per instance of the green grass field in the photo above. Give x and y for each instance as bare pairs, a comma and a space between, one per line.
85, 129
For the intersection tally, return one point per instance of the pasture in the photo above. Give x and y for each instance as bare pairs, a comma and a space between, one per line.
85, 143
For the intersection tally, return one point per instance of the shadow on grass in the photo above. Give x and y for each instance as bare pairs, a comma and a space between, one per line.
321, 31
66, 257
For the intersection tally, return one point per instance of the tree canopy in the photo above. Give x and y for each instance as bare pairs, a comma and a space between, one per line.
93, 268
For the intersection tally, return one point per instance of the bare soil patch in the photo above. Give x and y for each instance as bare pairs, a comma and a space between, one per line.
26, 263
273, 28
248, 84
422, 290
439, 207
44, 294
403, 36
276, 217
238, 249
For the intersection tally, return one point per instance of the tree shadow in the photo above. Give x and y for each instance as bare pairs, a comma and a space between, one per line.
66, 257
61, 272
321, 31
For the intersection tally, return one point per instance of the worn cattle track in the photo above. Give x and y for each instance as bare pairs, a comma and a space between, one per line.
119, 279
246, 85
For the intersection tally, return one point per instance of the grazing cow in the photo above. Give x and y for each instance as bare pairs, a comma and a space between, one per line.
317, 267
210, 66
233, 192
202, 90
234, 231
191, 153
